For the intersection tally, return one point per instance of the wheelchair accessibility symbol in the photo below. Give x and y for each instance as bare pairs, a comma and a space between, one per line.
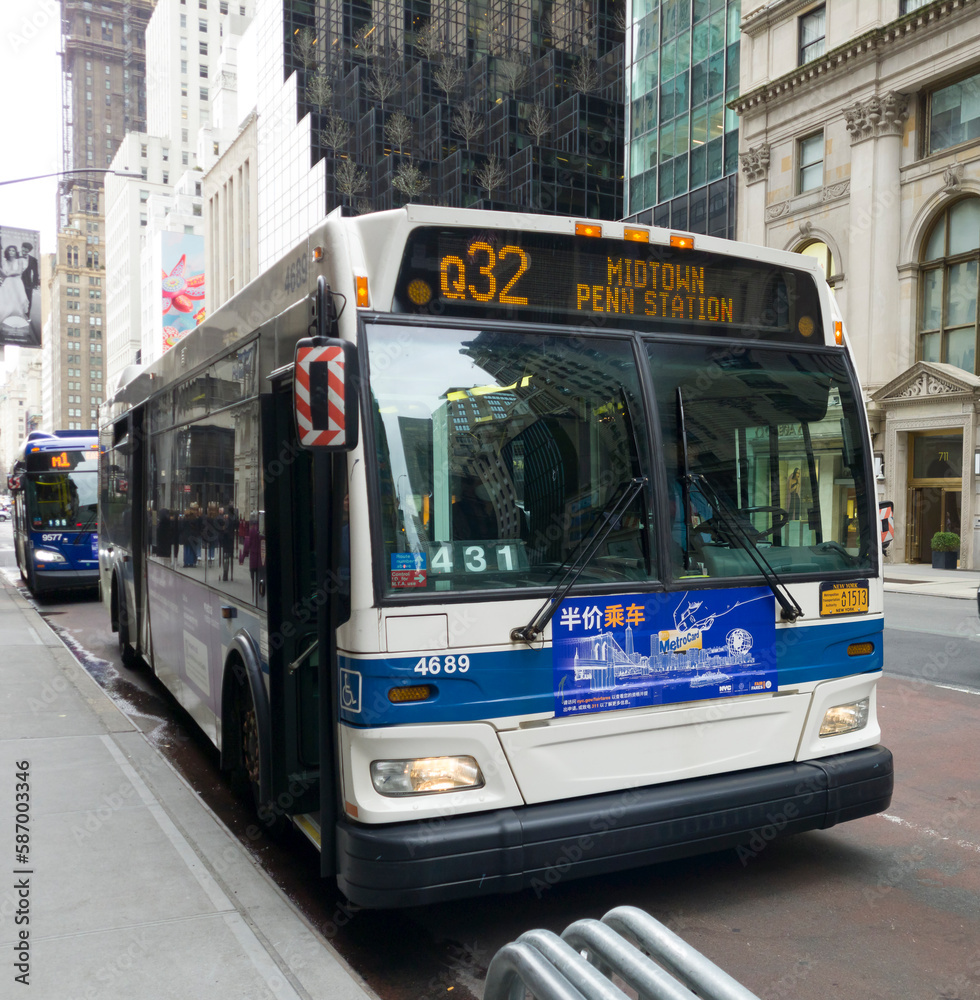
350, 690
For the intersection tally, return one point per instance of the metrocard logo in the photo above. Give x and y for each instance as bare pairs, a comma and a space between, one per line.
680, 641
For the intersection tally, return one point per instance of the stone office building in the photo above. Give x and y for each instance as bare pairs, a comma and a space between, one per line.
860, 145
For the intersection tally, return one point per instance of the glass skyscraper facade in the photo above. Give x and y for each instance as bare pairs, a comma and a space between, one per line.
682, 157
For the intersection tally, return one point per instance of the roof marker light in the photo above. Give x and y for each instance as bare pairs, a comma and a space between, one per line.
361, 284
587, 229
838, 333
681, 242
636, 235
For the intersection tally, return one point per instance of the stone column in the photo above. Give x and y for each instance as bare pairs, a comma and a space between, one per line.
752, 199
876, 125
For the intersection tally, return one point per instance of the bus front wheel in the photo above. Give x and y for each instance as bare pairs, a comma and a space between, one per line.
246, 776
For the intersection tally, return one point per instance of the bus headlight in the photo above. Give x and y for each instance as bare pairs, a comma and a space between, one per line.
426, 774
47, 556
845, 718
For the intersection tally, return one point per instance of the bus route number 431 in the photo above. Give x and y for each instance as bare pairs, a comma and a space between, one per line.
442, 664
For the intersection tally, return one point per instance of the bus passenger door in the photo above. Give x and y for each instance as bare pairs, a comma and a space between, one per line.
293, 606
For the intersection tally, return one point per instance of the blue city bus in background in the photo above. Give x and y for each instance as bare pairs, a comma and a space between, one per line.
54, 482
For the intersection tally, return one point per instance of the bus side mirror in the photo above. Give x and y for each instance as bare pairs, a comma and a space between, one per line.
325, 394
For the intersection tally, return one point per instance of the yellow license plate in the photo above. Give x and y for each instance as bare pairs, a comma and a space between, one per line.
843, 598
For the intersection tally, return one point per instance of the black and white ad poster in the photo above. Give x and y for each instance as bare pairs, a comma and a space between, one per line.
20, 287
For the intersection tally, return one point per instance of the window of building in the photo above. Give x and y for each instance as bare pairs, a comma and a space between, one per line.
183, 44
183, 135
810, 157
907, 6
202, 71
166, 177
203, 93
813, 30
824, 257
202, 48
202, 4
948, 287
183, 20
183, 90
183, 67
202, 25
223, 6
954, 114
183, 159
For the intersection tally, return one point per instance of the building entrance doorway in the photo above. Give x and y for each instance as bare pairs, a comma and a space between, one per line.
931, 509
935, 490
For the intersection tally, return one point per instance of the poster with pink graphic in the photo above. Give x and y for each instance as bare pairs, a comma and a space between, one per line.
182, 256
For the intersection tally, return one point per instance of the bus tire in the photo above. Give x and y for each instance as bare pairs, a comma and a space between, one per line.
245, 776
127, 653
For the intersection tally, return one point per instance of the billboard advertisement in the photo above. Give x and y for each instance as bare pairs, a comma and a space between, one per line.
182, 258
20, 287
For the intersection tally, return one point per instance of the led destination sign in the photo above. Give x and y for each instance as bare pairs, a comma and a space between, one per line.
546, 277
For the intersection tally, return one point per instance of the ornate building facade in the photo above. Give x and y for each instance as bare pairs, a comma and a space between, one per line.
860, 145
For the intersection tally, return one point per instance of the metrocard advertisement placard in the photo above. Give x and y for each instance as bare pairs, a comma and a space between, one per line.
635, 650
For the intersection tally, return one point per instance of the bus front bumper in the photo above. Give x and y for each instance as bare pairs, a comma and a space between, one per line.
412, 864
65, 579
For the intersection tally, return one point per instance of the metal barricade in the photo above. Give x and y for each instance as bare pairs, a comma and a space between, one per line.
580, 964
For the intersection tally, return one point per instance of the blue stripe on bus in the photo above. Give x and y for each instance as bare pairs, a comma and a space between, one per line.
520, 681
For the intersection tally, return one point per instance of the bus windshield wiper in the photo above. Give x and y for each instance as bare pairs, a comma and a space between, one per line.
580, 557
790, 610
727, 516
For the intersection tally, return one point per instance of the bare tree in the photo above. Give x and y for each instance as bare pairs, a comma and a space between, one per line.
383, 81
427, 42
304, 47
514, 73
448, 76
367, 40
584, 76
492, 174
619, 15
398, 131
335, 133
364, 206
319, 90
350, 178
570, 25
538, 125
410, 181
466, 123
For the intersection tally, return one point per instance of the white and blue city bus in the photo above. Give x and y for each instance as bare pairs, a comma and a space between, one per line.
54, 482
594, 580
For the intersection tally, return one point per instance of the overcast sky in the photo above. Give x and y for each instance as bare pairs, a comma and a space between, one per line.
30, 114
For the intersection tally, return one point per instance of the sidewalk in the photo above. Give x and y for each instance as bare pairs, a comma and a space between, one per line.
121, 883
919, 578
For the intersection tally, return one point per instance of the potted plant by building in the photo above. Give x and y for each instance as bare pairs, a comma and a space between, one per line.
945, 549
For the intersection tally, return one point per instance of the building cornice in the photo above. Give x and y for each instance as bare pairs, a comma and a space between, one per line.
830, 62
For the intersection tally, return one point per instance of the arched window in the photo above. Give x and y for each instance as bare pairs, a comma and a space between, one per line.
948, 287
824, 257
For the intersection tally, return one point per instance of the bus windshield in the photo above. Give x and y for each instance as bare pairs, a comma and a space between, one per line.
775, 454
498, 452
64, 495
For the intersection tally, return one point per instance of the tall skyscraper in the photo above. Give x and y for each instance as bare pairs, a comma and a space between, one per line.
503, 104
104, 96
682, 69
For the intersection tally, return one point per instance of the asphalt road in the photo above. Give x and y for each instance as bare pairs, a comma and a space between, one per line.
884, 907
935, 639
